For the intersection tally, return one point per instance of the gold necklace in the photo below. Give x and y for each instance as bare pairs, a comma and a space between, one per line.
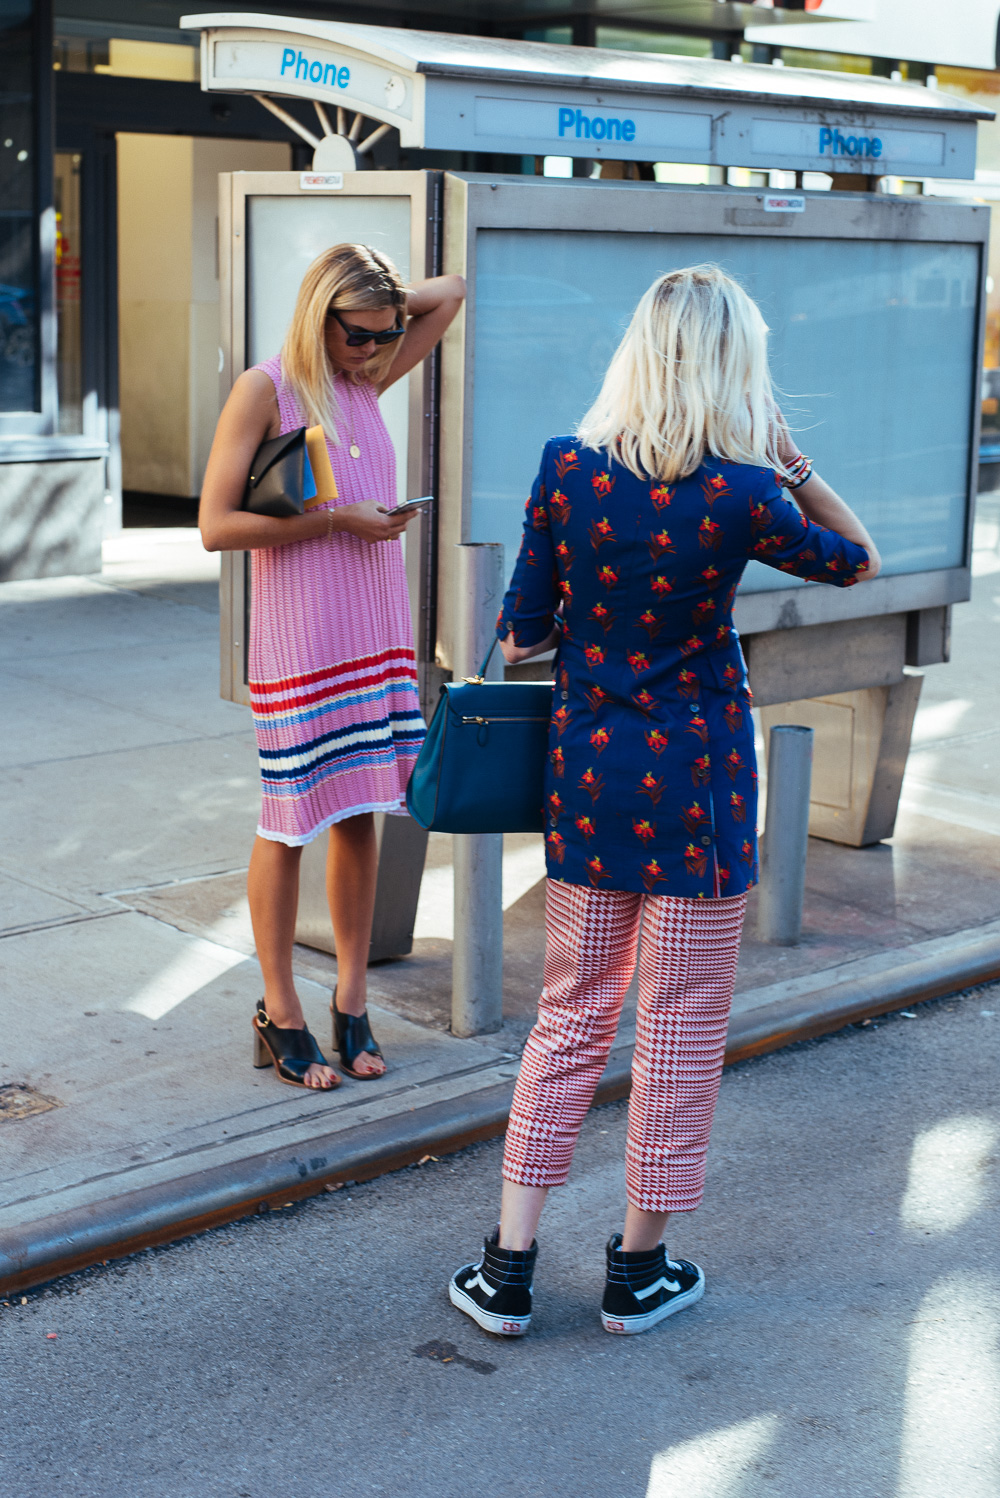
353, 448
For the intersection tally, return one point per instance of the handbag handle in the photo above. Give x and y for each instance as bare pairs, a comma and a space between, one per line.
479, 680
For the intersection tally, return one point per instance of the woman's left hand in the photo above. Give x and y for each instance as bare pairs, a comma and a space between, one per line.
369, 521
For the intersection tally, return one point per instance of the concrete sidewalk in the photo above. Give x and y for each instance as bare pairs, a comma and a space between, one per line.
128, 1107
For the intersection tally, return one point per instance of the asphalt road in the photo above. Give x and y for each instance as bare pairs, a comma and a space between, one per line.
846, 1346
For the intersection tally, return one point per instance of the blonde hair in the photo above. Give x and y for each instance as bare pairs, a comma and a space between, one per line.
346, 278
690, 377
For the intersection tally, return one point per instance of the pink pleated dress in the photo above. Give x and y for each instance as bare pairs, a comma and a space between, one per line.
332, 673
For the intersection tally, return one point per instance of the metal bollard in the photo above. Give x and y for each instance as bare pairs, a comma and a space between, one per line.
477, 955
786, 835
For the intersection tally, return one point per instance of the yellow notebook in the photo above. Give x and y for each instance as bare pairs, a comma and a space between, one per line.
319, 461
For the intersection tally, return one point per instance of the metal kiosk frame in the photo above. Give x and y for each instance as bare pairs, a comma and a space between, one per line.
846, 649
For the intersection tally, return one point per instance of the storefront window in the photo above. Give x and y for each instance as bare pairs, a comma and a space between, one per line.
983, 87
122, 57
69, 372
623, 39
18, 263
557, 36
834, 62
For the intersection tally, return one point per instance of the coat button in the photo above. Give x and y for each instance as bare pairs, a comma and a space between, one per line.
694, 707
707, 842
564, 696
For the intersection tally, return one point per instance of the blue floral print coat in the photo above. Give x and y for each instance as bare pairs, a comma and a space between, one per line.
651, 783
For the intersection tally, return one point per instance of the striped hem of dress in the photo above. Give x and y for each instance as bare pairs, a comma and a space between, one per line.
293, 772
299, 840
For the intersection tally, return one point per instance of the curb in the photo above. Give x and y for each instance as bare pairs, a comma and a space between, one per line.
769, 1028
54, 1246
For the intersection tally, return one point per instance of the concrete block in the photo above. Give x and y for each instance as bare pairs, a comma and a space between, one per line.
786, 665
928, 636
861, 742
402, 849
51, 518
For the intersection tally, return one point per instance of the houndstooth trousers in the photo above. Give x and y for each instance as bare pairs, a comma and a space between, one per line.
687, 970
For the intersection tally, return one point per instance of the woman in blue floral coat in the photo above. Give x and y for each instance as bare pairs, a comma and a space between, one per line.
637, 533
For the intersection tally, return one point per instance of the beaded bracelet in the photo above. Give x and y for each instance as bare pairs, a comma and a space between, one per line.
799, 471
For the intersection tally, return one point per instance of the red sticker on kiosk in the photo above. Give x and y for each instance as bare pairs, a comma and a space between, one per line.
321, 181
784, 202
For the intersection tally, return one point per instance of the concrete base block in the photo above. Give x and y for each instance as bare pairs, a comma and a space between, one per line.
861, 742
402, 848
51, 518
822, 659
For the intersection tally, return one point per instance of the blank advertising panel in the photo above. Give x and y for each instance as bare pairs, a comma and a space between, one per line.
873, 349
284, 236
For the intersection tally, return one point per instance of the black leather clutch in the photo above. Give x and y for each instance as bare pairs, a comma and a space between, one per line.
277, 482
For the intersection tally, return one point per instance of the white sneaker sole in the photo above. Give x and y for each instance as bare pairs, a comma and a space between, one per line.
501, 1326
627, 1326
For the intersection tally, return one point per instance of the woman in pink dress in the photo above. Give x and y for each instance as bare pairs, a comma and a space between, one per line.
333, 682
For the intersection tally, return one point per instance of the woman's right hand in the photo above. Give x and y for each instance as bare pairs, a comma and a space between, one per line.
370, 521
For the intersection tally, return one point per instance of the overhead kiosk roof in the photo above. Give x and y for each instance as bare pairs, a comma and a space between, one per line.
481, 94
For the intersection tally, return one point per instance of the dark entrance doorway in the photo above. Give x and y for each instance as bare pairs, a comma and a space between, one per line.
135, 165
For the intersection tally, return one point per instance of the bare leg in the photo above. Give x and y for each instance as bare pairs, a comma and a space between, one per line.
273, 888
520, 1209
351, 872
643, 1230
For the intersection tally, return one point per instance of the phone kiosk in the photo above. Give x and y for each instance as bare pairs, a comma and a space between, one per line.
875, 302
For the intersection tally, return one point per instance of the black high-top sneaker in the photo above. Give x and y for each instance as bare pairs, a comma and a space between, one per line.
641, 1289
496, 1292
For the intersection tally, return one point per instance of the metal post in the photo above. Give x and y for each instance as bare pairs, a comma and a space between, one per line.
477, 957
786, 835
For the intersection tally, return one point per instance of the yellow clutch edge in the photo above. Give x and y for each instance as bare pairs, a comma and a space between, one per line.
319, 460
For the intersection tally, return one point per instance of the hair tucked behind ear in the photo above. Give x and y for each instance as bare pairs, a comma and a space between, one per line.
689, 378
349, 278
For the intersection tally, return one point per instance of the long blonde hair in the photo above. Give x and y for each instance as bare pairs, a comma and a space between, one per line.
689, 378
348, 278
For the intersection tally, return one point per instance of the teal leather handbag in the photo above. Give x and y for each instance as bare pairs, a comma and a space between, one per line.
482, 764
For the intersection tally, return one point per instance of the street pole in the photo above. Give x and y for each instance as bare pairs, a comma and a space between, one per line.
786, 835
477, 957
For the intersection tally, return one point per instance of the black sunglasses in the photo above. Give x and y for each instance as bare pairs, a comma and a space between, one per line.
358, 337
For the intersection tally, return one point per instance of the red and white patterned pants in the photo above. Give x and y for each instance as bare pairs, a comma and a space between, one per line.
687, 970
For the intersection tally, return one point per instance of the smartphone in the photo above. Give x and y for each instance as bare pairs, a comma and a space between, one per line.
409, 505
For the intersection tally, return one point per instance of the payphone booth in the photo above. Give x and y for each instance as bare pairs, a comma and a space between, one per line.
875, 302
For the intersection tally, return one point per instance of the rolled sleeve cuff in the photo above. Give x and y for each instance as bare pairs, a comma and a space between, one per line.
525, 631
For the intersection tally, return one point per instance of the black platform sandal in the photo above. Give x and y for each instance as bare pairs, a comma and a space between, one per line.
352, 1034
290, 1052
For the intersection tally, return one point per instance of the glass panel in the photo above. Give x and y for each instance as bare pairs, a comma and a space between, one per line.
284, 236
18, 266
557, 36
857, 325
69, 370
627, 40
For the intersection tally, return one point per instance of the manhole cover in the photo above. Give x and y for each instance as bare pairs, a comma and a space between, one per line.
18, 1100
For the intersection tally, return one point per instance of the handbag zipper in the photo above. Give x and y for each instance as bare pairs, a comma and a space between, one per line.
505, 719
